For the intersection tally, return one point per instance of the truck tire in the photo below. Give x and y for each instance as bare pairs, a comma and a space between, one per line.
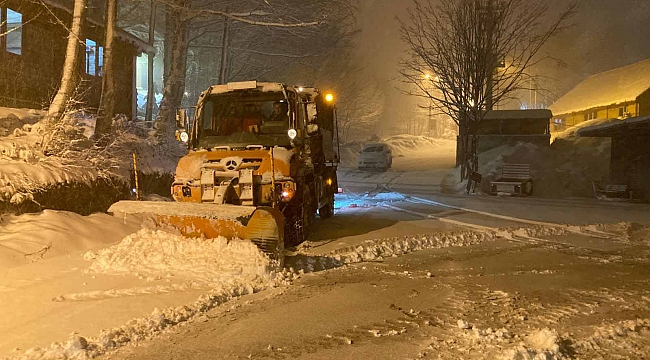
298, 218
327, 211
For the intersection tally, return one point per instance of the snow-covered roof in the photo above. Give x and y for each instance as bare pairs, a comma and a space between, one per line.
611, 87
518, 114
140, 45
635, 124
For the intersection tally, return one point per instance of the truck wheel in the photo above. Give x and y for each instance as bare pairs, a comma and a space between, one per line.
298, 220
327, 211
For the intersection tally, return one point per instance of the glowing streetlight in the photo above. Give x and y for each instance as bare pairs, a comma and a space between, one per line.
329, 97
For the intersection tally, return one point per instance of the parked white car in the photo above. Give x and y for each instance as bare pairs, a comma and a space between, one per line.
375, 156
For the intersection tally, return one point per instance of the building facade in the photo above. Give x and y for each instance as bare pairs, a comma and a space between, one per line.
615, 94
33, 50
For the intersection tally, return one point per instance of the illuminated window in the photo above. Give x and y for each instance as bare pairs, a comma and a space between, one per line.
100, 61
14, 32
91, 57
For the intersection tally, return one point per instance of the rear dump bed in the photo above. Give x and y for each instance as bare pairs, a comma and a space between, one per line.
264, 226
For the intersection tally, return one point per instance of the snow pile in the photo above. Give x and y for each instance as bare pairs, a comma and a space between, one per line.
73, 158
628, 336
567, 168
228, 268
572, 132
406, 144
33, 237
373, 250
542, 344
12, 119
156, 253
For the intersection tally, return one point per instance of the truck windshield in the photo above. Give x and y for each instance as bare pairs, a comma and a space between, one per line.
239, 119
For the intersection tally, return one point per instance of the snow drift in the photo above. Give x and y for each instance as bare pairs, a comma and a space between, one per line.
33, 237
156, 253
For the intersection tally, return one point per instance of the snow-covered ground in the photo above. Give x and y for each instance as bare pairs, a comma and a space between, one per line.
24, 169
410, 153
391, 273
29, 238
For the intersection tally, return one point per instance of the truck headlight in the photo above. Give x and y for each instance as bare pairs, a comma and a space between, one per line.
286, 191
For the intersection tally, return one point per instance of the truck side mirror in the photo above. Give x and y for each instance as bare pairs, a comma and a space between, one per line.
181, 118
312, 114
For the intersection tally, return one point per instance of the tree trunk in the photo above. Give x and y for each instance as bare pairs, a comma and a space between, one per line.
174, 88
107, 103
67, 88
224, 51
151, 55
167, 54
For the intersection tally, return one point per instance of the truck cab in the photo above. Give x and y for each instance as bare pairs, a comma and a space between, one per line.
262, 144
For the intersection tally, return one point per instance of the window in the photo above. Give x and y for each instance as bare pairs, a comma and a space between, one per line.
100, 61
91, 57
14, 32
592, 115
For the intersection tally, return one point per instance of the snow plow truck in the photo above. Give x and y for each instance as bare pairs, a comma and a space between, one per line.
262, 162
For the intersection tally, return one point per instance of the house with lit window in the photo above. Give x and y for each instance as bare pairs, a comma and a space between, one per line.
615, 94
32, 53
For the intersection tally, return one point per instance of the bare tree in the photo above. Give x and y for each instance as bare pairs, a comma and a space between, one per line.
68, 84
276, 26
467, 55
107, 101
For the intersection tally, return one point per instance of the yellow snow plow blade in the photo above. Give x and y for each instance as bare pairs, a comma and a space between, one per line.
264, 226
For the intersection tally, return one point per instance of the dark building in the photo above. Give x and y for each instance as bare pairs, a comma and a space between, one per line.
630, 154
508, 127
33, 51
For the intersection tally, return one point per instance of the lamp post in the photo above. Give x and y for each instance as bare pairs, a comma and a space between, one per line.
430, 117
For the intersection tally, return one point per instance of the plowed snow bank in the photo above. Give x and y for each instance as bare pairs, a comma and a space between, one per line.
33, 237
161, 254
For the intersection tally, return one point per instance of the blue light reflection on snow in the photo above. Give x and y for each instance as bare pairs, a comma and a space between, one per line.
349, 200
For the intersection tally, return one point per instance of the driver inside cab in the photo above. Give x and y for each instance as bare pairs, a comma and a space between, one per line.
280, 113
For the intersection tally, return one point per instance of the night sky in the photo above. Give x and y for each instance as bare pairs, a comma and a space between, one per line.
605, 34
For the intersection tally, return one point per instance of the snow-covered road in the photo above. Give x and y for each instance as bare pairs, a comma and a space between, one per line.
402, 271
570, 296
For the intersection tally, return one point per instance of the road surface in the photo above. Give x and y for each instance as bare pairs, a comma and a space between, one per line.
583, 294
